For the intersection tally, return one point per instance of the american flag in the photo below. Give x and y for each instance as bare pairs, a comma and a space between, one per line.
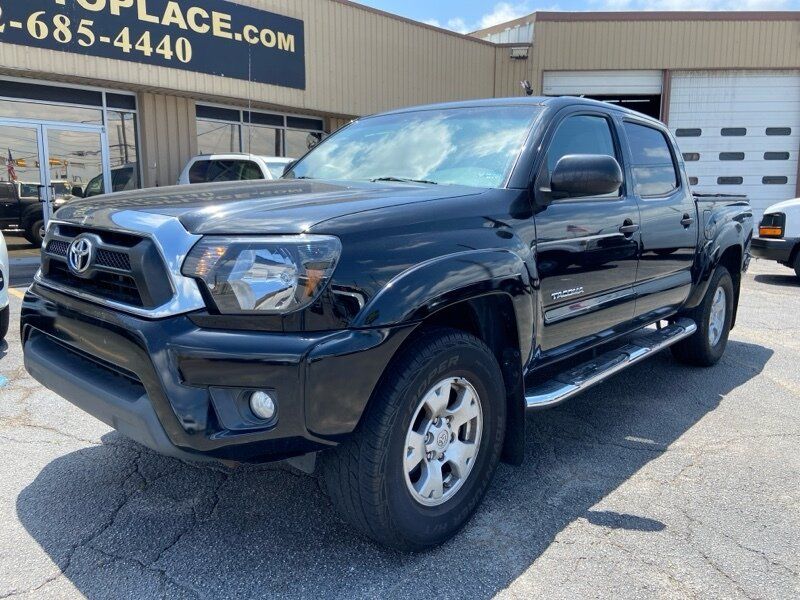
12, 173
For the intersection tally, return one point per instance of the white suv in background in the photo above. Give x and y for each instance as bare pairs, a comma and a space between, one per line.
4, 281
232, 167
779, 235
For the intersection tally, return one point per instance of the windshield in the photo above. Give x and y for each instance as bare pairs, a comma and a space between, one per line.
276, 169
460, 146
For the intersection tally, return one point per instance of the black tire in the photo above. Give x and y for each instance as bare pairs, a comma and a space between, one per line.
33, 233
797, 265
698, 350
4, 320
365, 478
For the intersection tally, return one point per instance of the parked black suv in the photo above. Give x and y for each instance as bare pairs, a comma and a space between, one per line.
392, 305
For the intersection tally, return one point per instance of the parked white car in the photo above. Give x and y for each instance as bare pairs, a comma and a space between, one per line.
236, 166
779, 235
4, 281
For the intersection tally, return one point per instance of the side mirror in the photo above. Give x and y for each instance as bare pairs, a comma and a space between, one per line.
584, 175
77, 191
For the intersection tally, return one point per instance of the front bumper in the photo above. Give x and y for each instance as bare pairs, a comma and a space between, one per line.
180, 389
779, 250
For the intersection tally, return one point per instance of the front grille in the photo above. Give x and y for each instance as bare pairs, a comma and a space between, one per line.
110, 286
126, 269
57, 247
114, 260
104, 258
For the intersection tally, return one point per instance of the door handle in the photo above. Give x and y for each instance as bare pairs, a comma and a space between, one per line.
628, 227
687, 221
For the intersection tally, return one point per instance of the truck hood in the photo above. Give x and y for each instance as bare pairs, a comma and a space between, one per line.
283, 206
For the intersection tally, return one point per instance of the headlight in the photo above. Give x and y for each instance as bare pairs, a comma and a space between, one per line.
275, 274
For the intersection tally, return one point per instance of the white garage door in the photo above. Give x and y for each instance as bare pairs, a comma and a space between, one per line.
739, 132
602, 83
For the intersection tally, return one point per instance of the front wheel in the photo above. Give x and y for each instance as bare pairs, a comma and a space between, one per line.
428, 446
35, 233
713, 316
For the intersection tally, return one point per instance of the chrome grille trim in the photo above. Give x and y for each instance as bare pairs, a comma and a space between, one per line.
172, 242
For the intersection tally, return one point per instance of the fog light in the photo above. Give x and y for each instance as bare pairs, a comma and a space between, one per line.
262, 405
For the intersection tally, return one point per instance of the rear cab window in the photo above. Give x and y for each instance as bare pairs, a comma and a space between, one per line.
654, 171
206, 171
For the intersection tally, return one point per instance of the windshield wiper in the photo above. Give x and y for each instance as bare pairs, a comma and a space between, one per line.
404, 180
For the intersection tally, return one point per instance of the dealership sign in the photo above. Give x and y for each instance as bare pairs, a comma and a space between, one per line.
207, 36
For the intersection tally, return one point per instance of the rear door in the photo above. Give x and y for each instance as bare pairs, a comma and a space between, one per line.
587, 248
669, 221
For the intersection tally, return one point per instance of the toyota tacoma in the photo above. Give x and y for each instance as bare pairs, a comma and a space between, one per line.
390, 309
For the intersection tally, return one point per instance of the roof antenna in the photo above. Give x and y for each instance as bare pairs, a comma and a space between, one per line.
526, 85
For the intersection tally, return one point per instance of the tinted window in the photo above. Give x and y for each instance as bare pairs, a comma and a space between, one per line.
731, 155
204, 171
653, 167
691, 156
733, 131
730, 180
688, 132
94, 187
774, 180
776, 156
7, 191
583, 134
779, 131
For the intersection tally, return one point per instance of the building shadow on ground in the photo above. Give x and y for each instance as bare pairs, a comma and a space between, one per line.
122, 521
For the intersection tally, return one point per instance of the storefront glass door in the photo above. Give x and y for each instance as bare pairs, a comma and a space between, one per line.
52, 163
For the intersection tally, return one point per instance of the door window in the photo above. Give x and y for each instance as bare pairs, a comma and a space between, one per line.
582, 134
652, 163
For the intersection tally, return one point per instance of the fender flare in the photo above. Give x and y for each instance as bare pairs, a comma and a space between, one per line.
728, 235
436, 284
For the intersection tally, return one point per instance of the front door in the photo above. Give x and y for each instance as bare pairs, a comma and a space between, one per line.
76, 154
23, 173
587, 248
46, 162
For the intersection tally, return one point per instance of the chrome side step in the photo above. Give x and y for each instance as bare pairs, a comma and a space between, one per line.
578, 379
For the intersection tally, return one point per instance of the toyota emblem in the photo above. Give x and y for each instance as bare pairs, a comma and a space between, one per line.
80, 255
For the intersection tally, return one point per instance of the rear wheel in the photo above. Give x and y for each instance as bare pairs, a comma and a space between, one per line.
797, 265
4, 319
428, 446
713, 316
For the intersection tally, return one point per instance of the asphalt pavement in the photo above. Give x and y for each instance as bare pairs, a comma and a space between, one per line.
664, 482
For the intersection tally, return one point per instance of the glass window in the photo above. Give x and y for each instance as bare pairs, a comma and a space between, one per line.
583, 134
462, 146
50, 112
122, 151
276, 169
94, 187
214, 137
653, 167
779, 131
262, 141
204, 171
688, 132
300, 142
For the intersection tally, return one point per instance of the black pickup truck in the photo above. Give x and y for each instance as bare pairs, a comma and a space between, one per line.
391, 309
21, 208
